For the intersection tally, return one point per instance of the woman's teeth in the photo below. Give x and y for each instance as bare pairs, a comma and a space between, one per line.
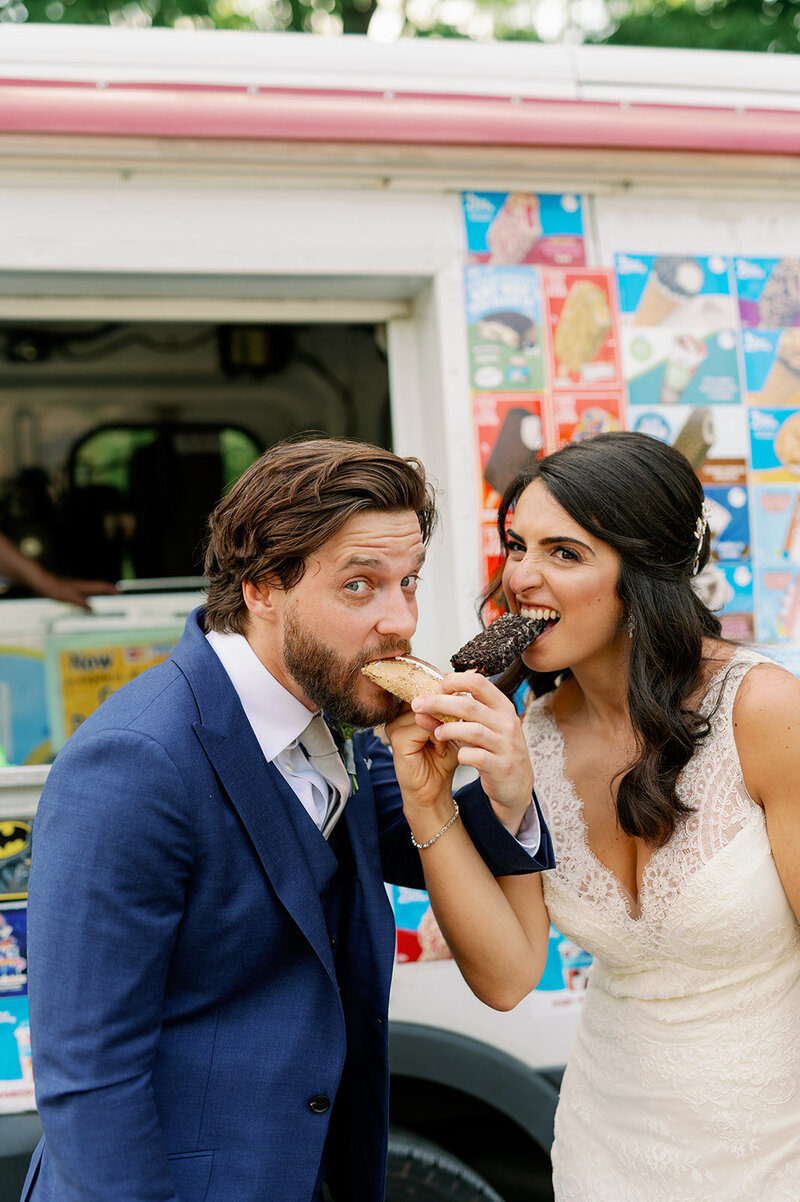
544, 615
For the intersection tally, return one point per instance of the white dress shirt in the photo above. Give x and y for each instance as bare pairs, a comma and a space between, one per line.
278, 720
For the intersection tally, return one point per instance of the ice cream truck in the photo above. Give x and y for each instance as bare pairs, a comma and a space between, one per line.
472, 253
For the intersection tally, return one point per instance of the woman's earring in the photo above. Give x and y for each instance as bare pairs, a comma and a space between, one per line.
631, 625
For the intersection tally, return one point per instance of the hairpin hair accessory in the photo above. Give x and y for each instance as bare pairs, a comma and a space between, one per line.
701, 525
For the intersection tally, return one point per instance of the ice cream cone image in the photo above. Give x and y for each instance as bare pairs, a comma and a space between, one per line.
686, 355
782, 385
787, 443
673, 280
779, 305
656, 304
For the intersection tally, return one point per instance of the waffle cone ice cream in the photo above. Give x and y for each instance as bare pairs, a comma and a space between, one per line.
406, 677
782, 385
673, 280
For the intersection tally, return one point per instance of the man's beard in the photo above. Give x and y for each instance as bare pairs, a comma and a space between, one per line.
331, 681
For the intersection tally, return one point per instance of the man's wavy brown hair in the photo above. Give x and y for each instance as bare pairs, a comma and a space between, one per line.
294, 498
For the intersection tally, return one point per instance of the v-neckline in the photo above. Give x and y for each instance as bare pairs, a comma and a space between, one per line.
632, 903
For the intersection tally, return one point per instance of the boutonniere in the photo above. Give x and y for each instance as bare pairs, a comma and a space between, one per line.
348, 754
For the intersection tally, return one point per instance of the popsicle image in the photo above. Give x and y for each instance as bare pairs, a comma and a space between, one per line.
779, 303
583, 327
685, 356
518, 442
696, 437
673, 280
515, 230
782, 385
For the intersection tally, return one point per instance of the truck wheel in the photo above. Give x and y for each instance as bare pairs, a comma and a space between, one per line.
420, 1171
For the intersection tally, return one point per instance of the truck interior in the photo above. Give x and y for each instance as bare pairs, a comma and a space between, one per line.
117, 439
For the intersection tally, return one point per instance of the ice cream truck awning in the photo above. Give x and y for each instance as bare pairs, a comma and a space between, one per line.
303, 89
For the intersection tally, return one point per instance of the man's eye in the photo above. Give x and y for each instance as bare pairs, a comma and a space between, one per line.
410, 582
356, 586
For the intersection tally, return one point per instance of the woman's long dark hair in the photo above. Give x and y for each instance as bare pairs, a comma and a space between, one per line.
641, 497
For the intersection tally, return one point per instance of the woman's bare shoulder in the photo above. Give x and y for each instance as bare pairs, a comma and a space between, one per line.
768, 693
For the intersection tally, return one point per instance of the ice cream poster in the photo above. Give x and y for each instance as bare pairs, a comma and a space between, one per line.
690, 292
679, 343
418, 934
727, 589
775, 445
83, 669
580, 415
511, 431
505, 332
583, 329
15, 859
567, 965
419, 939
729, 522
778, 606
16, 1074
768, 291
671, 367
772, 367
776, 525
713, 438
504, 229
24, 729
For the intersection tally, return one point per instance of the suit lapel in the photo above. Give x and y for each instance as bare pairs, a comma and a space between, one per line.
269, 811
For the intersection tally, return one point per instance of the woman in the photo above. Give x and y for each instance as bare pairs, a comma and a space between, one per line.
667, 762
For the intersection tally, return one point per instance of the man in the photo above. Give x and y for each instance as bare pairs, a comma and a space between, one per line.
210, 940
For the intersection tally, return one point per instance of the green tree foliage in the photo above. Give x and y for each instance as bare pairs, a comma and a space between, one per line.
772, 25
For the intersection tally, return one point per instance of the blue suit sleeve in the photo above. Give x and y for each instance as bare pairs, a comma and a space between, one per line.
112, 855
500, 850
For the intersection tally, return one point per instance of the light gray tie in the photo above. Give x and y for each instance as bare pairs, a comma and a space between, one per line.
317, 742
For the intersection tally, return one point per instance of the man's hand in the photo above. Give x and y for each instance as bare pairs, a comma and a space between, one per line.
424, 767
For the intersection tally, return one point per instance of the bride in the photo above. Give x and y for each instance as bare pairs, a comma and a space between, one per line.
667, 763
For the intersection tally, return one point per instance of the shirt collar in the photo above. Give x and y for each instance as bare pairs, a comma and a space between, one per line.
276, 716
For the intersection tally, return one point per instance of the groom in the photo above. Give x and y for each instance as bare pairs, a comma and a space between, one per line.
210, 940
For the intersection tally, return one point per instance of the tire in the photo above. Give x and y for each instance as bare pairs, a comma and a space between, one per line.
420, 1171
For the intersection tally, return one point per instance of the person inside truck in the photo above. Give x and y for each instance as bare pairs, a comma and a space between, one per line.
668, 761
22, 570
210, 940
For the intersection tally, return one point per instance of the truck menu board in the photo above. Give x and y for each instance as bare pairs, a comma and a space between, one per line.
700, 350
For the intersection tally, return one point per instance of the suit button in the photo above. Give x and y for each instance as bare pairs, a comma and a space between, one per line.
332, 940
320, 1103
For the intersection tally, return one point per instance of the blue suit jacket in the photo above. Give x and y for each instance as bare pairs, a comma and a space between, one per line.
184, 1004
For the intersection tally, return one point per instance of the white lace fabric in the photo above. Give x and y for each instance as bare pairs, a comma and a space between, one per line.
684, 1080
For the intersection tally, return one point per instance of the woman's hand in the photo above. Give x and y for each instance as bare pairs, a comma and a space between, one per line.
488, 738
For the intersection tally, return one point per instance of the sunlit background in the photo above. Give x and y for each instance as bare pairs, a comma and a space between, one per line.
763, 25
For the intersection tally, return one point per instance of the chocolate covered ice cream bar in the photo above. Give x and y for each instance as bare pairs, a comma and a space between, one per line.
496, 647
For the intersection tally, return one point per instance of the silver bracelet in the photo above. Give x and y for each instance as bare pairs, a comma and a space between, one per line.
438, 835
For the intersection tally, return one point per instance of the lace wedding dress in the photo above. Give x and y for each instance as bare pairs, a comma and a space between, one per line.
684, 1081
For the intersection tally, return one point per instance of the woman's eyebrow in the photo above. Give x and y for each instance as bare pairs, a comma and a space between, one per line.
564, 538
